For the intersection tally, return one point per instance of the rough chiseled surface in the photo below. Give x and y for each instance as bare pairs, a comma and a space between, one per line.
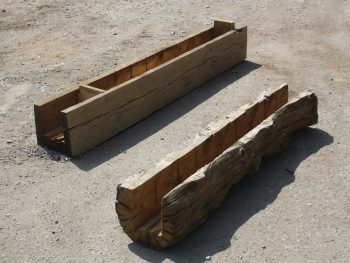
186, 206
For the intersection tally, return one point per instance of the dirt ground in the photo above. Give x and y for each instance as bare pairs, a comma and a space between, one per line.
55, 209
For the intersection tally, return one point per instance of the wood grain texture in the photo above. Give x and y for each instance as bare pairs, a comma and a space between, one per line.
47, 116
85, 115
186, 205
91, 123
87, 92
148, 190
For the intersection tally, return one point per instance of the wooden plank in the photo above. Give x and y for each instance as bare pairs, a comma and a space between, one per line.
207, 188
87, 92
105, 81
48, 118
123, 73
223, 26
47, 113
186, 206
135, 99
178, 166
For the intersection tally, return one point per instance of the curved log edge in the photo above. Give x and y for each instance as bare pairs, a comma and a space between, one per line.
185, 206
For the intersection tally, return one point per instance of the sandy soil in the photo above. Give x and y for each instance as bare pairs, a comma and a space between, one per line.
54, 209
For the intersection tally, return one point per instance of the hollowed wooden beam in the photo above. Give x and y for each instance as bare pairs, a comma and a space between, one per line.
130, 93
163, 206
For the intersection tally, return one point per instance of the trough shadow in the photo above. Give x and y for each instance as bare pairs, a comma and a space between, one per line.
161, 118
252, 194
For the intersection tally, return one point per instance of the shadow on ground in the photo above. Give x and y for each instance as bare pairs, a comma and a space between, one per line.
161, 118
251, 195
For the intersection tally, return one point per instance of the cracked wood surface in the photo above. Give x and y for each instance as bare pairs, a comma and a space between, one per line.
186, 206
105, 115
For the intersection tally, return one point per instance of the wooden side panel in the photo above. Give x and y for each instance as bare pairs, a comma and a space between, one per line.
138, 203
123, 75
87, 92
186, 206
116, 77
138, 68
139, 97
47, 112
105, 82
223, 26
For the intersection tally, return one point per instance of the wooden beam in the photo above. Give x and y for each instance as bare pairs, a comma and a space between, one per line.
223, 26
187, 205
107, 104
136, 99
140, 198
87, 92
47, 116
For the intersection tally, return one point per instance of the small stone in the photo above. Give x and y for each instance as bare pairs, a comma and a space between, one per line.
7, 215
56, 222
56, 157
208, 258
115, 34
263, 247
53, 232
9, 141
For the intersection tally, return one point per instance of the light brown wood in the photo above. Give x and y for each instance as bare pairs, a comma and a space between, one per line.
125, 95
141, 198
187, 205
133, 100
47, 116
87, 92
223, 26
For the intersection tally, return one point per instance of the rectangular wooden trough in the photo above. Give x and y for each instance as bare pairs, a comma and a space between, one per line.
161, 207
82, 116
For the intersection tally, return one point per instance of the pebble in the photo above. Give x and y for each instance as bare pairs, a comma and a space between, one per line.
208, 258
9, 141
56, 157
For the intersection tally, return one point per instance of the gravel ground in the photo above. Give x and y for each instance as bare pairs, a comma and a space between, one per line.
55, 209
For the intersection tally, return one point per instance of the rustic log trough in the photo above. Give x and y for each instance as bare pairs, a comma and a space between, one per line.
161, 207
82, 116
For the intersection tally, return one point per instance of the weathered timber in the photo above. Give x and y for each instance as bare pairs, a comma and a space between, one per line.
148, 190
87, 114
161, 208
